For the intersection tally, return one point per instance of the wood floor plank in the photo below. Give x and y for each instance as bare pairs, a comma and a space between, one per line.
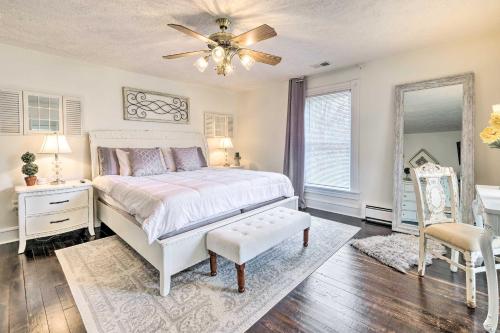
18, 315
36, 311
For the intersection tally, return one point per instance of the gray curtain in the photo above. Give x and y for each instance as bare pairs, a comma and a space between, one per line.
293, 165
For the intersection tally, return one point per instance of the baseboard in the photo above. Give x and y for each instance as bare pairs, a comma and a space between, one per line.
350, 207
9, 235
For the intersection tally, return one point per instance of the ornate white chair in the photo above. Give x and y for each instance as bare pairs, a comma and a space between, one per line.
445, 227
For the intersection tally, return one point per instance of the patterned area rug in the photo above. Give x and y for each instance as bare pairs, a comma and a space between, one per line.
399, 251
117, 291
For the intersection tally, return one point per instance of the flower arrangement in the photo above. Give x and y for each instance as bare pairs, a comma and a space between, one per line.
491, 134
30, 169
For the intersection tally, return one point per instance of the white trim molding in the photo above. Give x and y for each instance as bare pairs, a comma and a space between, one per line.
9, 235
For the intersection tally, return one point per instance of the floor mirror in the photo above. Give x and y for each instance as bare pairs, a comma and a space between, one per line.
434, 123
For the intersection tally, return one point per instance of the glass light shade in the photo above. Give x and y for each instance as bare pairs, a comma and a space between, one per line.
496, 108
55, 144
201, 64
228, 69
218, 54
247, 61
226, 143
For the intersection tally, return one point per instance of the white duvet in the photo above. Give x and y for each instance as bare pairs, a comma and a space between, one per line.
169, 202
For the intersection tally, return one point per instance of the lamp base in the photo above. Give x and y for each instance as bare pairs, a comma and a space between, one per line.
58, 182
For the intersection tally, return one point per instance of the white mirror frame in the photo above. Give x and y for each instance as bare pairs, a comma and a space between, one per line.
466, 148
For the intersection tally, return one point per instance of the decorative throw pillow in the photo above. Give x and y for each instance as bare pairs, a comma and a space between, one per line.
108, 162
203, 161
169, 159
186, 159
146, 162
124, 162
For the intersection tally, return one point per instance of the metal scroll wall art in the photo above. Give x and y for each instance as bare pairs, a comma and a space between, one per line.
142, 105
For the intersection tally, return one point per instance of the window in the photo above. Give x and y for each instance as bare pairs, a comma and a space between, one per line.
42, 113
218, 125
330, 153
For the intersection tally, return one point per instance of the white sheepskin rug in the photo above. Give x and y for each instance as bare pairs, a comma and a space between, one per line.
399, 251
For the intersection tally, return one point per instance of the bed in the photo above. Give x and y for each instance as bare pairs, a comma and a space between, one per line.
210, 198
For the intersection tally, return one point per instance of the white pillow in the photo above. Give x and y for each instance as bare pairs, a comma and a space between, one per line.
169, 159
124, 162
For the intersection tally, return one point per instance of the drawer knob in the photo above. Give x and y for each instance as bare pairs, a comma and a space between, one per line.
59, 221
59, 202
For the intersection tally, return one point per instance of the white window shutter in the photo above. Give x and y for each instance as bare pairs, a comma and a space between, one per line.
209, 125
11, 104
72, 108
229, 126
218, 125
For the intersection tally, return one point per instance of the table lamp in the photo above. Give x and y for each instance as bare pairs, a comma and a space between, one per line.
226, 144
55, 144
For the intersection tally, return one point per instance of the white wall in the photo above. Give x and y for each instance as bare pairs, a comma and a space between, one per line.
265, 110
100, 89
440, 145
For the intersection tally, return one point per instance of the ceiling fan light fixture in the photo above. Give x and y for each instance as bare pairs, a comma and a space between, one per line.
201, 64
228, 69
218, 54
247, 61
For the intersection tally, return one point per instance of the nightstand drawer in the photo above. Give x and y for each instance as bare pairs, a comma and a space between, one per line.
47, 223
56, 202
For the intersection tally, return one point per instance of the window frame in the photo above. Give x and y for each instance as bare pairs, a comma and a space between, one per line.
353, 86
26, 115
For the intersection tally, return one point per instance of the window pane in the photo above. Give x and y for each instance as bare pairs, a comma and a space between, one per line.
34, 125
32, 100
54, 103
54, 114
328, 140
44, 114
43, 102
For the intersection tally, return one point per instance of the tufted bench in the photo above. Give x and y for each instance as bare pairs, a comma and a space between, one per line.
249, 237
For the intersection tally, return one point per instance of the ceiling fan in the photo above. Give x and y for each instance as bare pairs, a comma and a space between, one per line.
223, 46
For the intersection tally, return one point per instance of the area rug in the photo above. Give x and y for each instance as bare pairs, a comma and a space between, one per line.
117, 291
399, 251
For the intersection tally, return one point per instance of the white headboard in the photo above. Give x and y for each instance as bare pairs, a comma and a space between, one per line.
142, 139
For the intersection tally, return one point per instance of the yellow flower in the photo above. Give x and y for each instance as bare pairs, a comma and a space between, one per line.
490, 135
495, 120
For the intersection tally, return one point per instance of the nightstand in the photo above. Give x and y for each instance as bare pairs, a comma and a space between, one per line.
46, 210
229, 167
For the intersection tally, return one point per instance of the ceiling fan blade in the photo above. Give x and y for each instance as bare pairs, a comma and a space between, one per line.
184, 54
262, 57
192, 33
255, 35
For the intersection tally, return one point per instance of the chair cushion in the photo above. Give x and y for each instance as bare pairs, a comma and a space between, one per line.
460, 235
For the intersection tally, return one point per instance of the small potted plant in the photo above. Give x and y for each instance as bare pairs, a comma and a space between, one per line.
29, 168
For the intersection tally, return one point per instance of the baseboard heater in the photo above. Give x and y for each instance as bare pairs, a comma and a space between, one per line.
378, 214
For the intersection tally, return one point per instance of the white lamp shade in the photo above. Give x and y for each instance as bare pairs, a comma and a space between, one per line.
55, 144
496, 108
226, 143
218, 54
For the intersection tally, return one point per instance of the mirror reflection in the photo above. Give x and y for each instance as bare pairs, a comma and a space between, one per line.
432, 133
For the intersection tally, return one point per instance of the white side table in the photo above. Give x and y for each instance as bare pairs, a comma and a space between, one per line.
229, 167
46, 210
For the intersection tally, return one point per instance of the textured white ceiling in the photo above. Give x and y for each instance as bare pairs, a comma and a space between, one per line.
133, 34
433, 110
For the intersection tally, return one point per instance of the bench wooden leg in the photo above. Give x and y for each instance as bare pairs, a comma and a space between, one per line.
306, 237
240, 272
213, 263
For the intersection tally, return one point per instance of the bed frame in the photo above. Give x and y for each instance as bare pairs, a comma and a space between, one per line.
174, 254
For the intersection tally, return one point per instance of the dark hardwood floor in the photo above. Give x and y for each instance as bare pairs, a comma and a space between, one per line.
351, 292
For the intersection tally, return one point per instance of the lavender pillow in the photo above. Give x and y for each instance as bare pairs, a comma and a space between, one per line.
108, 162
187, 159
203, 161
146, 162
